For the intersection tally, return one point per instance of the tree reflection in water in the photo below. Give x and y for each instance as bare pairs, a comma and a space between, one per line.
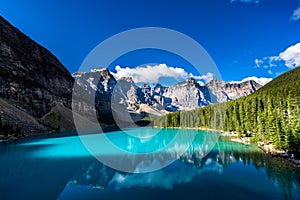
61, 167
203, 155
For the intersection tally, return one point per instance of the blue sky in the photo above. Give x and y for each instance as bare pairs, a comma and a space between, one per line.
243, 37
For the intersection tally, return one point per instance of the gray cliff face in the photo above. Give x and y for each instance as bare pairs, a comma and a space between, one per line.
92, 92
186, 95
99, 80
238, 90
31, 78
189, 94
126, 94
223, 91
158, 97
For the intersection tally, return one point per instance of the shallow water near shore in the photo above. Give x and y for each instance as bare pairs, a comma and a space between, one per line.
210, 168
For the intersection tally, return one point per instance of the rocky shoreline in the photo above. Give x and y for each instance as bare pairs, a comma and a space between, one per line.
276, 153
267, 148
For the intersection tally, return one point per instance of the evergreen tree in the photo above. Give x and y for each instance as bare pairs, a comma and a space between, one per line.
272, 114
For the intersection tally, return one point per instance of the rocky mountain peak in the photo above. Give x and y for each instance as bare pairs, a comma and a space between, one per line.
159, 89
224, 91
191, 81
216, 82
104, 73
127, 79
145, 86
184, 95
158, 86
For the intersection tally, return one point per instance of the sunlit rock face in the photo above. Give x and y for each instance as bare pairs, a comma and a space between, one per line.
224, 91
185, 95
100, 80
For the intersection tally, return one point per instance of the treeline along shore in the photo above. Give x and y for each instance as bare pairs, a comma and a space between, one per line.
270, 115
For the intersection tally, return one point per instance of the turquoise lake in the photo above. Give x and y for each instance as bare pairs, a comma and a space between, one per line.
143, 163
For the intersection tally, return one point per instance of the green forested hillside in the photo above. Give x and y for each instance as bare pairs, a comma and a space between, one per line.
272, 114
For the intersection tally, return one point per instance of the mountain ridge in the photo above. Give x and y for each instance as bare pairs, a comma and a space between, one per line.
32, 80
185, 95
36, 84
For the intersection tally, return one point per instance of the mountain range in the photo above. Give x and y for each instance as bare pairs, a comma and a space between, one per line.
36, 90
186, 95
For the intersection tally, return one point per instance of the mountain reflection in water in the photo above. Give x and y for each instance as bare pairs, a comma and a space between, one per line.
208, 169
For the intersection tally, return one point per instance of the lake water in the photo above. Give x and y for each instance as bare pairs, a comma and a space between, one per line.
62, 167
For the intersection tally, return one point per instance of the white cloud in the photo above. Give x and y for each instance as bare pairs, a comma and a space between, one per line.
270, 72
258, 62
165, 179
245, 1
157, 179
261, 80
296, 14
206, 77
150, 74
290, 57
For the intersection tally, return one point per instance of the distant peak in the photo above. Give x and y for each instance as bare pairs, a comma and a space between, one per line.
253, 79
215, 80
145, 85
127, 79
191, 80
158, 85
77, 74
